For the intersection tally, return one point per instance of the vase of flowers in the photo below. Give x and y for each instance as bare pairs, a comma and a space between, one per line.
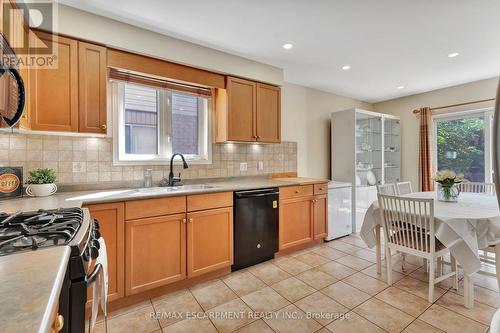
448, 190
41, 183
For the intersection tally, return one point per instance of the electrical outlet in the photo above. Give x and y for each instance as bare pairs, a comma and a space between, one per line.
243, 166
260, 166
79, 167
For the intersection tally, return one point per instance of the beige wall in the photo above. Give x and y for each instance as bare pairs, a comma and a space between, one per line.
81, 24
306, 120
402, 107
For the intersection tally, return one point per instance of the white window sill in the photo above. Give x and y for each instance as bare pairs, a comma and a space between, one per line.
177, 161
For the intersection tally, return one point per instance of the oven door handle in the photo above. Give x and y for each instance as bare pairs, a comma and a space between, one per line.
91, 278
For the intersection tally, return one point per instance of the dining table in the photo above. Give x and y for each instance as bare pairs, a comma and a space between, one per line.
464, 227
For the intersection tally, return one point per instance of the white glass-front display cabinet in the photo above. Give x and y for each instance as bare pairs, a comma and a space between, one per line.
368, 149
392, 150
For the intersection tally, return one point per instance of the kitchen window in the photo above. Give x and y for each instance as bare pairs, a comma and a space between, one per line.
152, 123
463, 144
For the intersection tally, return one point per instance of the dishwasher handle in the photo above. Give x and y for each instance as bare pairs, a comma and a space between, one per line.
256, 193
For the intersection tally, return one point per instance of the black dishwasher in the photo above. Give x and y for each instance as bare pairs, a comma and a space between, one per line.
256, 216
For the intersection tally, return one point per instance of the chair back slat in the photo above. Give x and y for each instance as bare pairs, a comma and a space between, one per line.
408, 222
477, 187
389, 189
404, 188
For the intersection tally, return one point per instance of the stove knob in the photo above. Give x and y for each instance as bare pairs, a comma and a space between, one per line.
94, 252
86, 254
96, 225
95, 243
97, 234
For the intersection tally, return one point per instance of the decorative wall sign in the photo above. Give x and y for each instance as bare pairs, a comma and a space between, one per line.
11, 185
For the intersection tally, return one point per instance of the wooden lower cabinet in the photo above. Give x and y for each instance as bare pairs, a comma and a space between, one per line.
296, 221
209, 240
155, 252
320, 216
111, 226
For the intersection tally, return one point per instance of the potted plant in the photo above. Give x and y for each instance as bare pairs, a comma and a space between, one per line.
41, 182
447, 190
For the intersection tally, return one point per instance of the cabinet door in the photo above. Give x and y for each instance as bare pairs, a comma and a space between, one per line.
111, 225
268, 113
241, 111
320, 216
155, 252
210, 240
296, 221
54, 92
92, 88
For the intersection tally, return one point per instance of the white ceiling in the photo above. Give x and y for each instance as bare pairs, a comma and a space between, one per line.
388, 43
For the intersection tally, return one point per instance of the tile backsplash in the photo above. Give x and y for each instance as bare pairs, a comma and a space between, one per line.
79, 160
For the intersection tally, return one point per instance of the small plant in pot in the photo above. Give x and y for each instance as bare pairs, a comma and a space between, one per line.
41, 182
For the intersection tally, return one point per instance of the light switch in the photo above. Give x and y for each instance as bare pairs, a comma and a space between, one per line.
243, 166
260, 165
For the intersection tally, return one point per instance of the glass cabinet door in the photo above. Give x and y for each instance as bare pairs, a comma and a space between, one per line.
392, 151
368, 149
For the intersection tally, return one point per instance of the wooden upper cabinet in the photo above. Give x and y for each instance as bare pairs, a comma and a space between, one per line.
242, 110
209, 241
53, 93
155, 253
111, 226
268, 113
248, 111
92, 88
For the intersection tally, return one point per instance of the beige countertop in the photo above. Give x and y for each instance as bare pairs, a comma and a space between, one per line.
78, 199
303, 180
30, 283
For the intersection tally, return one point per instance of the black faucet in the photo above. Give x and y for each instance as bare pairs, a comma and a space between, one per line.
171, 179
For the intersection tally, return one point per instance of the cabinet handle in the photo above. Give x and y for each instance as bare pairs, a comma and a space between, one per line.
58, 323
297, 192
104, 126
25, 116
190, 220
183, 220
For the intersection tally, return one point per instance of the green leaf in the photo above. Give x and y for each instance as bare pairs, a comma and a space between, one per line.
41, 176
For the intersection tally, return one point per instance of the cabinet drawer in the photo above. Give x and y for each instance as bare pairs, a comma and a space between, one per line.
209, 201
321, 188
296, 191
154, 207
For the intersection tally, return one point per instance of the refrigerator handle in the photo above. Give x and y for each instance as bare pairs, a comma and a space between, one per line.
496, 144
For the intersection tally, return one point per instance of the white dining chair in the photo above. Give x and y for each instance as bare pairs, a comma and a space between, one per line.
389, 189
490, 257
477, 187
409, 228
404, 188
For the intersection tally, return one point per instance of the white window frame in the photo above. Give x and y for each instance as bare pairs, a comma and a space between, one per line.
487, 114
164, 134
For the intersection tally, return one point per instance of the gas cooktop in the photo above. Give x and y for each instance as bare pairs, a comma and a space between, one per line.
32, 230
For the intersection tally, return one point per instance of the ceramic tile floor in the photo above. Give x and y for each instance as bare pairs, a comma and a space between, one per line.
332, 287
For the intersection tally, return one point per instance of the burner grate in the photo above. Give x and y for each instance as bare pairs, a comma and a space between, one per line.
32, 230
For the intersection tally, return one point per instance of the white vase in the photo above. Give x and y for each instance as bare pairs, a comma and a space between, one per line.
41, 190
